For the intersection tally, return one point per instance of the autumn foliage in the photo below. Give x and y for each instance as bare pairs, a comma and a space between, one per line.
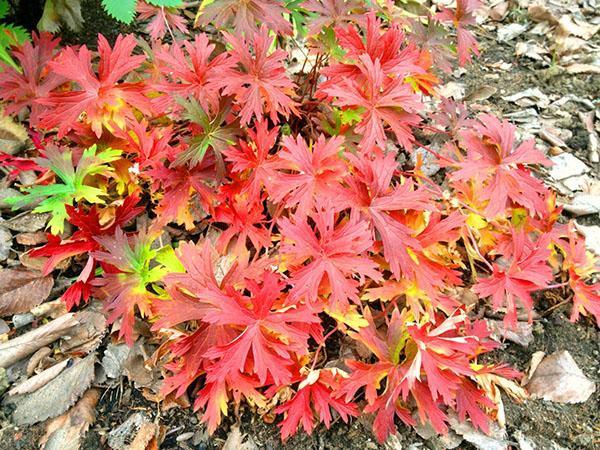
253, 213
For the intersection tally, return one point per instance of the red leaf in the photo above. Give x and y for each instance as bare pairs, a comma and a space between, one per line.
243, 16
334, 254
21, 90
316, 174
522, 270
104, 100
259, 83
314, 396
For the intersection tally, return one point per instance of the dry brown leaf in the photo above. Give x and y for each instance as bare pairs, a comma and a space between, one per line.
499, 11
41, 379
38, 263
65, 432
86, 337
119, 437
567, 25
57, 396
138, 368
30, 239
27, 222
235, 440
583, 68
53, 309
538, 12
21, 290
13, 135
558, 378
36, 359
148, 437
18, 348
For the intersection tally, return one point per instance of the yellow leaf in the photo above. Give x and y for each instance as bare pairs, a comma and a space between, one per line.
476, 222
351, 318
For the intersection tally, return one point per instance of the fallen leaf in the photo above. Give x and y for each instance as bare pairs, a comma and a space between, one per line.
536, 359
235, 440
114, 359
529, 97
41, 379
36, 359
21, 290
522, 334
531, 50
31, 239
499, 11
551, 137
57, 396
583, 68
137, 370
569, 25
558, 378
452, 89
566, 165
578, 183
509, 32
4, 329
87, 336
53, 308
582, 204
119, 437
59, 12
592, 237
39, 262
539, 12
27, 222
65, 432
18, 348
147, 437
481, 93
13, 135
496, 440
593, 139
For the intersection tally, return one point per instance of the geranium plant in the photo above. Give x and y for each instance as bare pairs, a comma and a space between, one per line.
295, 220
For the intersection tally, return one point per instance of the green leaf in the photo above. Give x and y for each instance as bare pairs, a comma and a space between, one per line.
6, 58
351, 116
167, 257
122, 10
53, 198
166, 3
4, 7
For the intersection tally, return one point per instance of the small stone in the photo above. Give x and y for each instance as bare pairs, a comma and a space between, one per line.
200, 437
5, 243
429, 165
185, 436
21, 320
